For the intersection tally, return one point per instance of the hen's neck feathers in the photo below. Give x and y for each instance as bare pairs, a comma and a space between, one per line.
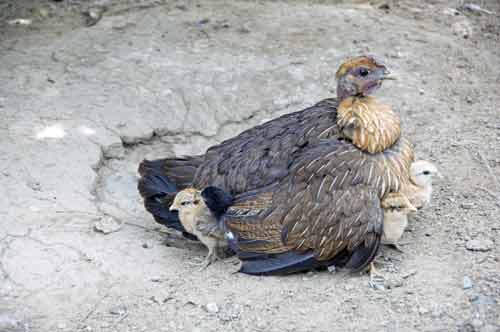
369, 125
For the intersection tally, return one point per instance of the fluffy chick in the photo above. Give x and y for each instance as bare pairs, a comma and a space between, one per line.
420, 190
199, 213
396, 208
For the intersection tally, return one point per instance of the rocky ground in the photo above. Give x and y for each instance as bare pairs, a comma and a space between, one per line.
90, 88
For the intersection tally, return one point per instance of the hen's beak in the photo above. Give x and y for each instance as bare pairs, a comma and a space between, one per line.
390, 77
385, 74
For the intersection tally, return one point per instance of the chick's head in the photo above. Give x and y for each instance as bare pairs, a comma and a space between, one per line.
188, 203
422, 172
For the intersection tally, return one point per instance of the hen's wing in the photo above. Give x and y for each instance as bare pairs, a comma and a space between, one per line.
329, 206
263, 154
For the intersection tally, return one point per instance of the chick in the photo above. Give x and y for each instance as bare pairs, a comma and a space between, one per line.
420, 190
398, 205
199, 213
396, 208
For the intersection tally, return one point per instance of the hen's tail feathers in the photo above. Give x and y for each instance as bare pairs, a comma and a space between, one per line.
364, 254
256, 263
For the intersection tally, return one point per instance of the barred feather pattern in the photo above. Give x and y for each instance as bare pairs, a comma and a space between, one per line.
328, 203
371, 126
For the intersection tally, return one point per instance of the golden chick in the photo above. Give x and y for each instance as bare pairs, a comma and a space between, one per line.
199, 213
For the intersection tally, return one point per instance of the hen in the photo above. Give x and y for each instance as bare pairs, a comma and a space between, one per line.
310, 184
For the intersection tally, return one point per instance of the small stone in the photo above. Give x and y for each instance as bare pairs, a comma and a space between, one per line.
107, 225
332, 269
156, 279
421, 91
118, 310
93, 15
468, 99
145, 245
467, 206
467, 283
212, 308
384, 6
422, 311
479, 245
61, 326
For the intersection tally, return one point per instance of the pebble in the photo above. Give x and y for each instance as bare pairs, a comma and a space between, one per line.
118, 310
212, 308
107, 225
467, 206
482, 245
155, 279
467, 283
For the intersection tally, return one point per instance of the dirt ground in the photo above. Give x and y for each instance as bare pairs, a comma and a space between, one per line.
89, 88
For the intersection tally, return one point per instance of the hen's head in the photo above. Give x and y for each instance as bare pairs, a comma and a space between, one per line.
360, 76
422, 172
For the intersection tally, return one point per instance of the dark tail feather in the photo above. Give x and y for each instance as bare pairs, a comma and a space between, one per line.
180, 171
363, 255
281, 264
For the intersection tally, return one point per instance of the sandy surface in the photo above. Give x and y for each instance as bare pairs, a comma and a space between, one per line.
81, 105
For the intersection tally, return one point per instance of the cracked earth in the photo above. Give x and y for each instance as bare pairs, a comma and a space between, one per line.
82, 105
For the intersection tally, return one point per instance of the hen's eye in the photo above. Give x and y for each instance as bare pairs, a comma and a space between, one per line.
426, 172
363, 72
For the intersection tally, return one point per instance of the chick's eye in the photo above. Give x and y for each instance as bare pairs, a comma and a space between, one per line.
363, 72
184, 203
196, 202
426, 172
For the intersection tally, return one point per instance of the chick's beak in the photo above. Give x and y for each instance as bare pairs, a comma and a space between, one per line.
411, 208
173, 208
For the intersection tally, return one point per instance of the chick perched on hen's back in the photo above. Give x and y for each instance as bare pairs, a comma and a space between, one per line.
199, 213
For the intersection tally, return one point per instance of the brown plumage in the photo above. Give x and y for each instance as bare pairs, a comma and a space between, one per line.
310, 181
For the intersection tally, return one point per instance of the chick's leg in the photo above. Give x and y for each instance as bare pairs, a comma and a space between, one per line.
211, 257
377, 279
